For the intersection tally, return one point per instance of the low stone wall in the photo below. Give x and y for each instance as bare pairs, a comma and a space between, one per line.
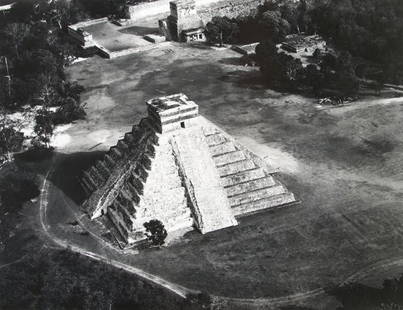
88, 23
82, 37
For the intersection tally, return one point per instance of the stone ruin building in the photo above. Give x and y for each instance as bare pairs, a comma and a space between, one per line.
177, 167
183, 24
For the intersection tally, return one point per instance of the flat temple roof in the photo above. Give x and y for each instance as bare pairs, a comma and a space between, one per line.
171, 103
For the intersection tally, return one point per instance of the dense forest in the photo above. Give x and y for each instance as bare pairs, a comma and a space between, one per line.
35, 50
65, 280
367, 34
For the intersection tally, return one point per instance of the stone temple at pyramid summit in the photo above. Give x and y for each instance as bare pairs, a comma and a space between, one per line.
177, 167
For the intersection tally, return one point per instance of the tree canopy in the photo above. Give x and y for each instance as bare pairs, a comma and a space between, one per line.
155, 232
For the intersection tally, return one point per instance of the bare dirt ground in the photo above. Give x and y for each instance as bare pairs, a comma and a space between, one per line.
344, 164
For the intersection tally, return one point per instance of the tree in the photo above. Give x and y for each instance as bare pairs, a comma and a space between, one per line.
43, 127
222, 30
155, 232
15, 33
314, 79
273, 26
69, 111
10, 141
278, 69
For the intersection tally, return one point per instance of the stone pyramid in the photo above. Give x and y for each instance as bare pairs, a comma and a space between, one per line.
177, 167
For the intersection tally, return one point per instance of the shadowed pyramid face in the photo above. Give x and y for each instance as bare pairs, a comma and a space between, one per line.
177, 167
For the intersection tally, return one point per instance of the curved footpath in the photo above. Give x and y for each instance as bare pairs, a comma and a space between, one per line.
183, 291
43, 203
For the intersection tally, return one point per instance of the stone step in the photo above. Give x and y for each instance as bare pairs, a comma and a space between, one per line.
122, 146
135, 196
123, 213
146, 160
169, 199
235, 167
96, 176
149, 125
251, 185
222, 148
215, 139
129, 138
242, 176
178, 221
141, 172
88, 184
110, 163
256, 195
102, 168
155, 182
167, 218
115, 153
89, 179
138, 134
227, 158
209, 130
265, 203
176, 213
123, 230
164, 162
130, 207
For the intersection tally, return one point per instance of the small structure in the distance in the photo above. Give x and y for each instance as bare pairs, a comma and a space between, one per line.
298, 43
178, 168
83, 38
246, 49
183, 24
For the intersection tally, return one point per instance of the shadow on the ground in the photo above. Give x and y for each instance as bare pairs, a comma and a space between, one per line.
236, 61
69, 170
140, 31
245, 79
357, 296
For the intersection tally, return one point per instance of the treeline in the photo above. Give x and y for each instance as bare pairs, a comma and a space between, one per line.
368, 35
333, 75
369, 29
65, 280
34, 52
272, 21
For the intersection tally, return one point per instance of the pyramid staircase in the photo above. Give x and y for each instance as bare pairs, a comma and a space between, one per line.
249, 184
178, 168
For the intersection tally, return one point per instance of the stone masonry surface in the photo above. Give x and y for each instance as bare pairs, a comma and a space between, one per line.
177, 167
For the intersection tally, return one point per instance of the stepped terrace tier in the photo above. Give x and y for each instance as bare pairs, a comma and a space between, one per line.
177, 167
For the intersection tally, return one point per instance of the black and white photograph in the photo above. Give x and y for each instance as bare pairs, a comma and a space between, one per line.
201, 154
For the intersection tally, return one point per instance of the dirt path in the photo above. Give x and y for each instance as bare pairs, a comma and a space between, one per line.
14, 262
363, 103
43, 203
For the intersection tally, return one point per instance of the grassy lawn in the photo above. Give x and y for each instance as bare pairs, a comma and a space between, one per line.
344, 164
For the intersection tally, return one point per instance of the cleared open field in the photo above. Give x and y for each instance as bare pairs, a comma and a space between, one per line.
344, 164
